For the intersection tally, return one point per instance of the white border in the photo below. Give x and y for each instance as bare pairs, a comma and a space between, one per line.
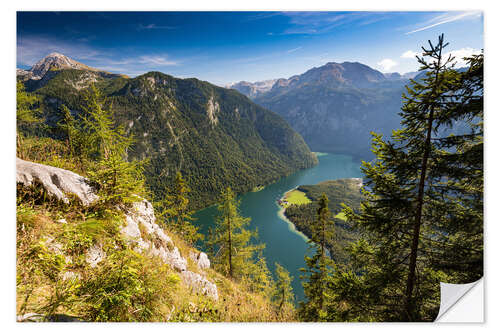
7, 132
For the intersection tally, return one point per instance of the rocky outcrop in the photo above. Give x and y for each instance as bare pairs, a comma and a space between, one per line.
141, 231
201, 259
199, 284
145, 235
95, 255
57, 182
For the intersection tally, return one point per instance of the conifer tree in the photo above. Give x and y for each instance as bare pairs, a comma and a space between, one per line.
231, 240
416, 207
259, 278
283, 294
26, 111
319, 266
174, 208
76, 138
118, 180
458, 202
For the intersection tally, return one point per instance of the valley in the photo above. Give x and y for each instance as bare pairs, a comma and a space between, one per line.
216, 137
284, 243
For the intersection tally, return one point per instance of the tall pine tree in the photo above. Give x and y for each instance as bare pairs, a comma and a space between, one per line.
417, 207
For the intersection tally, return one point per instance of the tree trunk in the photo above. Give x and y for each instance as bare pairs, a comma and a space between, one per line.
409, 304
230, 248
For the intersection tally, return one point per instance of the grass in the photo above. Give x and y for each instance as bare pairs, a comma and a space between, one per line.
258, 188
341, 216
295, 197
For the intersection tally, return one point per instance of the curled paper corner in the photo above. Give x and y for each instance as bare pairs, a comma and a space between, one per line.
461, 303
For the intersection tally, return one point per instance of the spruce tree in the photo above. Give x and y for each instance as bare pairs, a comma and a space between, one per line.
319, 266
416, 206
458, 201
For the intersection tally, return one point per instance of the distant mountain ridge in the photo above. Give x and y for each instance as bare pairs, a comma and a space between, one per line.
252, 89
215, 136
336, 106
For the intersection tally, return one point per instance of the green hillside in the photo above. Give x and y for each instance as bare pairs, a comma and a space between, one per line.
216, 137
338, 191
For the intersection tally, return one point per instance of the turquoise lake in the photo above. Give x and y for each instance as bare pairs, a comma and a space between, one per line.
283, 243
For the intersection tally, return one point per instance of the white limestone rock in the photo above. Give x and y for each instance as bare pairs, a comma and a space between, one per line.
95, 255
200, 284
57, 182
201, 259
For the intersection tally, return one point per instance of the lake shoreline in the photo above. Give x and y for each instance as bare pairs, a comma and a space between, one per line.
291, 225
285, 244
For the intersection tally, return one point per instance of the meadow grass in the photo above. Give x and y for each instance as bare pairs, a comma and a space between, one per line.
295, 197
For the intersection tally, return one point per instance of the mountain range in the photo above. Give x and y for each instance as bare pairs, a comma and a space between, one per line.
336, 106
216, 137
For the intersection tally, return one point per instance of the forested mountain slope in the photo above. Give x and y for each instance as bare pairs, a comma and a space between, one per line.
336, 106
216, 137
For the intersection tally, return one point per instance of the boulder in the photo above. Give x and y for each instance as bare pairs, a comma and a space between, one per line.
200, 284
95, 255
57, 182
201, 260
141, 231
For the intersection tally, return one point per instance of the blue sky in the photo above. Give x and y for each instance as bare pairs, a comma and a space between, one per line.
224, 47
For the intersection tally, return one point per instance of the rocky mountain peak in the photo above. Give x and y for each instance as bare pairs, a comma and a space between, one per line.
252, 89
55, 60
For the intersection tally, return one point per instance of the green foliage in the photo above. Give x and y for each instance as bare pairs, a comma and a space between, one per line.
26, 103
230, 240
175, 211
283, 296
27, 115
53, 276
421, 224
339, 192
126, 288
319, 267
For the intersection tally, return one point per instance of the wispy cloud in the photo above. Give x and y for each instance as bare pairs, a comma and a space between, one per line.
261, 16
445, 18
312, 23
460, 54
409, 54
293, 50
31, 49
153, 26
161, 60
387, 64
